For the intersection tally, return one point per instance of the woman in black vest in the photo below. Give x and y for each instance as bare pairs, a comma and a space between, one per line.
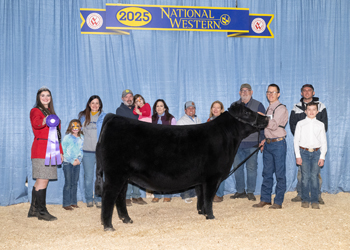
161, 115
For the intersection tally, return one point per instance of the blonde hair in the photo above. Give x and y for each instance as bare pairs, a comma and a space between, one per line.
221, 105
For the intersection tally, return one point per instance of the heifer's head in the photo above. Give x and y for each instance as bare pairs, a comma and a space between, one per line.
246, 115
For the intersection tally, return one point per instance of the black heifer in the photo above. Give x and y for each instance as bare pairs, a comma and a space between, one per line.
169, 158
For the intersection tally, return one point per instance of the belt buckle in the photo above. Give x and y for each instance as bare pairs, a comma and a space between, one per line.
311, 150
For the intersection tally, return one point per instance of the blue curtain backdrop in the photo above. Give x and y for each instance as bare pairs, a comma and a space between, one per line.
41, 44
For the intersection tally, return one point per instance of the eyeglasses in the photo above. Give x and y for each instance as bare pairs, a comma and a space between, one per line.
271, 93
245, 91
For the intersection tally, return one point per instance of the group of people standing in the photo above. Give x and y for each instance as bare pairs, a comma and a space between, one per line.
79, 146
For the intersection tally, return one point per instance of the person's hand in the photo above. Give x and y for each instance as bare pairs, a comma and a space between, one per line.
299, 161
44, 120
320, 163
76, 162
262, 143
62, 158
261, 113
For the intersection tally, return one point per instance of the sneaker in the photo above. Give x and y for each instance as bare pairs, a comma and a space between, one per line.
239, 195
251, 197
320, 200
315, 206
128, 202
218, 199
305, 204
188, 200
98, 204
296, 199
90, 204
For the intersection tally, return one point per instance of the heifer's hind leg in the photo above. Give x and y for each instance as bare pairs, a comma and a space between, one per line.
209, 190
121, 205
200, 201
109, 197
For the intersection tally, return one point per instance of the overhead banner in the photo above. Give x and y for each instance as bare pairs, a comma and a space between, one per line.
259, 27
119, 19
93, 21
188, 18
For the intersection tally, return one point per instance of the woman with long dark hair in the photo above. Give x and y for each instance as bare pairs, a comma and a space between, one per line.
91, 119
44, 158
161, 115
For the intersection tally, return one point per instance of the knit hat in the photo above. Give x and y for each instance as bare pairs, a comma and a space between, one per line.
190, 104
125, 92
246, 85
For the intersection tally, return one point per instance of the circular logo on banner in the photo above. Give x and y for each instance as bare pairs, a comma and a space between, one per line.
225, 19
94, 21
258, 25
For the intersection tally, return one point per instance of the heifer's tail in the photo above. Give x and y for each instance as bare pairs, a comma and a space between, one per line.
99, 158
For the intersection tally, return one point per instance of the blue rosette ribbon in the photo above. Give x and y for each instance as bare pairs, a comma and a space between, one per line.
53, 147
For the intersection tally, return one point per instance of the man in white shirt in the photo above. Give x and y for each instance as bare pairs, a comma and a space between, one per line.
189, 118
310, 147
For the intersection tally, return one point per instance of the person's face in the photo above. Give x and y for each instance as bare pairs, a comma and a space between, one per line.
128, 99
245, 94
160, 109
311, 111
307, 93
94, 105
216, 109
272, 94
140, 102
45, 98
75, 128
191, 111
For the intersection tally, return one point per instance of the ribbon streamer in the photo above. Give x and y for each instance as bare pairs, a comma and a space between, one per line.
53, 148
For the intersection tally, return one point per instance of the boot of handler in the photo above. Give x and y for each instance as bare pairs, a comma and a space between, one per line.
43, 214
33, 210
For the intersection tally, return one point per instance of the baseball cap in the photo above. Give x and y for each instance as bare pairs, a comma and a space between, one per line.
246, 85
125, 92
190, 104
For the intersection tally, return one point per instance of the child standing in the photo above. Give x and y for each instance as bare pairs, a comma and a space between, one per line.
310, 147
72, 145
142, 109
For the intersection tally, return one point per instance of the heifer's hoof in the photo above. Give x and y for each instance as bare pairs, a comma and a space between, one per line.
200, 212
127, 220
109, 229
210, 217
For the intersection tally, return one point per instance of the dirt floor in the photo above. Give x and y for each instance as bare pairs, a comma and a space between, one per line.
176, 225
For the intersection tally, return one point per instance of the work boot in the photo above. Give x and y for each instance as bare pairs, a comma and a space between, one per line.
305, 204
296, 199
251, 197
262, 204
154, 200
43, 214
315, 206
33, 210
218, 199
128, 202
166, 199
239, 195
320, 200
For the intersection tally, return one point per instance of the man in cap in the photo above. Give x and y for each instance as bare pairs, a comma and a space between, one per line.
247, 147
189, 118
298, 114
125, 109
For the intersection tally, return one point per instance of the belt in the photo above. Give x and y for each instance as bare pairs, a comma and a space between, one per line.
310, 149
274, 140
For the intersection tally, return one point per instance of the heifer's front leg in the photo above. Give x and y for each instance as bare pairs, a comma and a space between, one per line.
121, 205
200, 202
209, 190
109, 196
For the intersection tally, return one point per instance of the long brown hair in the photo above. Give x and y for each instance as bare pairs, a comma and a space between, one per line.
87, 110
39, 105
69, 129
168, 116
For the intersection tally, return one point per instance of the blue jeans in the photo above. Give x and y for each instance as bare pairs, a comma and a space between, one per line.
274, 158
251, 166
309, 175
299, 182
157, 195
220, 191
188, 193
89, 161
133, 191
71, 177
